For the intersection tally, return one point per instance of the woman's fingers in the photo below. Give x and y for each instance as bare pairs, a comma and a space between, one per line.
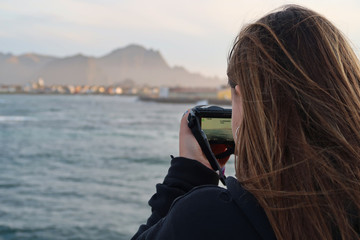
188, 146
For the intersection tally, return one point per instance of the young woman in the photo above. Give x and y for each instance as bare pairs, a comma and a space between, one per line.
296, 121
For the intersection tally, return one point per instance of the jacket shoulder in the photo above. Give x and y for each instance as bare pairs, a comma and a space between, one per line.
209, 212
251, 208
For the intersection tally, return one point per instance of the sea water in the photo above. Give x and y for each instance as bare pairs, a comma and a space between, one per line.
82, 167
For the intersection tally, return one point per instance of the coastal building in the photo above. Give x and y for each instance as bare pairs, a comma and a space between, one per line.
101, 90
224, 94
78, 89
109, 90
133, 91
118, 90
41, 83
3, 89
9, 89
93, 89
149, 91
85, 90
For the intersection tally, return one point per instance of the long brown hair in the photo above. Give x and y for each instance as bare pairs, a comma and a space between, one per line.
298, 149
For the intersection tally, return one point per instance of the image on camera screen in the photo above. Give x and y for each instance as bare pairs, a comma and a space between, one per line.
217, 129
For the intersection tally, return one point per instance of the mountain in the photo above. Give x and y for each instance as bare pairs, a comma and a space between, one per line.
21, 69
74, 70
134, 62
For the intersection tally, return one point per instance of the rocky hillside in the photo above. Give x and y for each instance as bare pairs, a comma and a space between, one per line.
134, 62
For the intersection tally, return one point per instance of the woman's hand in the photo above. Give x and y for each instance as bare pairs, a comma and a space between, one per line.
190, 148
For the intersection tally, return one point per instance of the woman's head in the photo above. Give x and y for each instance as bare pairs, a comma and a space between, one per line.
298, 145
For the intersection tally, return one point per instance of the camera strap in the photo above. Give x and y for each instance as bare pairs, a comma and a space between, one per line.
195, 127
228, 152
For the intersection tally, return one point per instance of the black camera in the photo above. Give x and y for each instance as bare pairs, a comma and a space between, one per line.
214, 121
212, 125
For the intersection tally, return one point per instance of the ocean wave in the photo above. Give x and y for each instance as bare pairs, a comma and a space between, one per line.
16, 119
10, 185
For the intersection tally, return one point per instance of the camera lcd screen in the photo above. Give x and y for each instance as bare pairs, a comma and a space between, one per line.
217, 129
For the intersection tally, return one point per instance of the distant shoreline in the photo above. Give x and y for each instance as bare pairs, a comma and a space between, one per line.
140, 98
68, 94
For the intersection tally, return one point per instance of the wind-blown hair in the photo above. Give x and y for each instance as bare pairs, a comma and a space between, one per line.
298, 149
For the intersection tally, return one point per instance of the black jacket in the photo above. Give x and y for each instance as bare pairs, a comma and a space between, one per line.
189, 205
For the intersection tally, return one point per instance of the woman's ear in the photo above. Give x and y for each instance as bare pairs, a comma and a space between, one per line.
237, 90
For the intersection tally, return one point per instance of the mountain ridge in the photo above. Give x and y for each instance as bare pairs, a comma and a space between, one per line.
143, 66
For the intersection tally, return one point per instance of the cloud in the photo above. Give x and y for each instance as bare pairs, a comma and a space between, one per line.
193, 18
141, 15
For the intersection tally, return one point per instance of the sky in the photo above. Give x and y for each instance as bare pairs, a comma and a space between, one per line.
195, 34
